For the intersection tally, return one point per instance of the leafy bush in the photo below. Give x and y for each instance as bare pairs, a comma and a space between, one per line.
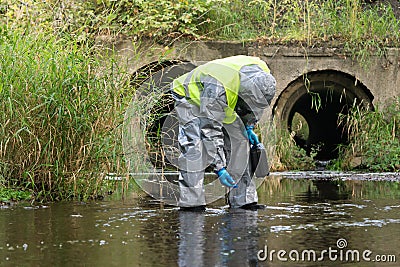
155, 18
304, 20
132, 17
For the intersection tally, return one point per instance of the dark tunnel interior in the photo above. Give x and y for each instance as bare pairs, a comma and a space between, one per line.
311, 108
324, 132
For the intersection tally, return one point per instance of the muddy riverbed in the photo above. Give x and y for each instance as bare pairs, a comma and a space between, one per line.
312, 219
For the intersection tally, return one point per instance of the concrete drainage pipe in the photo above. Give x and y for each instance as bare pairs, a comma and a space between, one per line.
310, 106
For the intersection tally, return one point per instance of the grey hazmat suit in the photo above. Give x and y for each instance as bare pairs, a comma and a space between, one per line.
214, 102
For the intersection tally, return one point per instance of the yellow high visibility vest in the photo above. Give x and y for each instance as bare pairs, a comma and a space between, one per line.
226, 71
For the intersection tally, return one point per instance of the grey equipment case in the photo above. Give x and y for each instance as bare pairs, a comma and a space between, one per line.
258, 161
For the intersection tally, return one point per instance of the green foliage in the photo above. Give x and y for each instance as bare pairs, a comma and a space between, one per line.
349, 23
14, 195
306, 20
59, 112
84, 19
374, 139
289, 156
156, 18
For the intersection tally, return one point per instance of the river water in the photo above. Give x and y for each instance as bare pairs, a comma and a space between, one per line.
310, 220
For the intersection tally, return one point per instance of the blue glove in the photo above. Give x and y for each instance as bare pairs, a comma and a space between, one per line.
253, 138
225, 178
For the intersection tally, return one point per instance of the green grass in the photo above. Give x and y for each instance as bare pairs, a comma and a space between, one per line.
7, 194
302, 20
374, 139
289, 156
349, 24
60, 108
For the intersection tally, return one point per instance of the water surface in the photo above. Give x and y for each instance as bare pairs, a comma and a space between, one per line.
305, 213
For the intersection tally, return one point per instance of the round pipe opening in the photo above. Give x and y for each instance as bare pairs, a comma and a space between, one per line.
310, 108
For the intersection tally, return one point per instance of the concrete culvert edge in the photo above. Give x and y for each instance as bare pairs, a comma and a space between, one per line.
309, 108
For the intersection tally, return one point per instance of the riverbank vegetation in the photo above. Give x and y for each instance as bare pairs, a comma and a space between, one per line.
10, 194
356, 26
374, 143
60, 111
62, 99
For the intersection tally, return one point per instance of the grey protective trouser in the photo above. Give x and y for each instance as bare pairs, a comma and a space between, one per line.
197, 143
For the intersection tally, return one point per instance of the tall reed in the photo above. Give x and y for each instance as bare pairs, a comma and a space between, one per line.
289, 156
374, 139
60, 109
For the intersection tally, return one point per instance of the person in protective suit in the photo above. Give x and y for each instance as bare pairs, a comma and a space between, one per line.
217, 106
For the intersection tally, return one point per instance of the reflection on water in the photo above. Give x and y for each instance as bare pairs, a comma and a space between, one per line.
302, 214
218, 239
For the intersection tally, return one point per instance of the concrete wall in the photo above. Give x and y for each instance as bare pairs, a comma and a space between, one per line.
287, 63
381, 77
